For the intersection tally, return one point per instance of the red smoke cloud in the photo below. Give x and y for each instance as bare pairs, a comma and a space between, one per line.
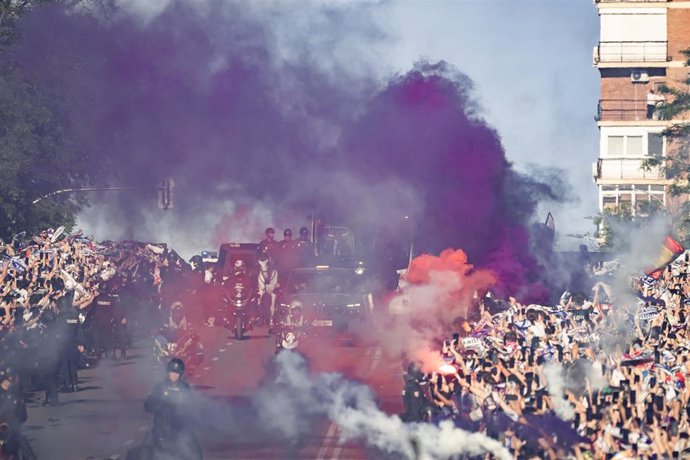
440, 290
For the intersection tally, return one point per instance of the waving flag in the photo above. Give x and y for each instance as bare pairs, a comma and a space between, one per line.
670, 250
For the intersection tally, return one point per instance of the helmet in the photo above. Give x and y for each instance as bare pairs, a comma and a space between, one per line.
196, 260
175, 365
287, 232
303, 231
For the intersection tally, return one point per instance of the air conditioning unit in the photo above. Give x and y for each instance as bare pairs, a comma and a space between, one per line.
639, 76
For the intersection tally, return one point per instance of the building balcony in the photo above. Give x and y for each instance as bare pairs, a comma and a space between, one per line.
617, 170
627, 53
627, 110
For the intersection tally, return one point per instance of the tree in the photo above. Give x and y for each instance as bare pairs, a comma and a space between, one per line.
676, 165
37, 151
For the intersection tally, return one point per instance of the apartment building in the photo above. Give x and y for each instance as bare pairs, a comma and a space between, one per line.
639, 50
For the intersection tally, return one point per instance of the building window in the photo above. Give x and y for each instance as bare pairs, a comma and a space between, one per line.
634, 146
609, 203
615, 146
655, 145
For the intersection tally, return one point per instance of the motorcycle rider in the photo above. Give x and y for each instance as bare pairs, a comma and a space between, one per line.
292, 322
13, 413
175, 327
171, 405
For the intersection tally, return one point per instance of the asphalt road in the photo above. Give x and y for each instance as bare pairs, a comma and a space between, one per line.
106, 416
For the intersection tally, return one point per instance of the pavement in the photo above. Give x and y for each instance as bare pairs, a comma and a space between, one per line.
106, 417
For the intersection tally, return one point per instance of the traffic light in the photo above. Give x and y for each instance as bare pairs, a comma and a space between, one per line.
165, 194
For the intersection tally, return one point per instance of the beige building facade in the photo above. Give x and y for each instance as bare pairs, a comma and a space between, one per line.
639, 50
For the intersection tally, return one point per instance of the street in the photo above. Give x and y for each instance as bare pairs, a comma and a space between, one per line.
106, 417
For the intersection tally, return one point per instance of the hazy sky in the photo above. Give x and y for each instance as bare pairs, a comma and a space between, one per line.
531, 61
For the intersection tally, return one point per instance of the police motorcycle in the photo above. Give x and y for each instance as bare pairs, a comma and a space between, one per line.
239, 300
178, 340
290, 328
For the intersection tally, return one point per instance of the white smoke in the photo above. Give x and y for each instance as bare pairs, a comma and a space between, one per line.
298, 395
427, 309
556, 387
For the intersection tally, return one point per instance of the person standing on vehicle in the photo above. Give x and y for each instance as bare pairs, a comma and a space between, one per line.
288, 256
13, 413
305, 246
171, 406
269, 245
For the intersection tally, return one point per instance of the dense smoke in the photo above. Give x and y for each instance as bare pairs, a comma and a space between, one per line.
248, 113
440, 291
297, 395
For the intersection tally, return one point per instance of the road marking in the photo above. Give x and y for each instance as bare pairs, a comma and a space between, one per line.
143, 428
337, 450
321, 455
207, 368
129, 442
215, 358
222, 350
375, 361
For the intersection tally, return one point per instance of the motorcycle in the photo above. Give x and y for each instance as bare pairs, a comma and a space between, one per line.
240, 302
290, 329
186, 346
288, 337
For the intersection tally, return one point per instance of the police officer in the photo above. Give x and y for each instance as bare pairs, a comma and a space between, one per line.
269, 245
120, 330
49, 353
13, 414
72, 345
288, 256
170, 403
415, 402
103, 319
305, 246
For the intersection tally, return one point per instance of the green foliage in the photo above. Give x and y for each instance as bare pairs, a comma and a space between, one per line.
37, 152
610, 224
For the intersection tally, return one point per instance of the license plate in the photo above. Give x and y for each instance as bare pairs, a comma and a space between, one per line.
322, 322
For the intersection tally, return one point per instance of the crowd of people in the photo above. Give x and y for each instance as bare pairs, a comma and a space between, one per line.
600, 375
67, 302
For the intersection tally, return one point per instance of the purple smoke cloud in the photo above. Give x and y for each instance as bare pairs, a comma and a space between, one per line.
205, 96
